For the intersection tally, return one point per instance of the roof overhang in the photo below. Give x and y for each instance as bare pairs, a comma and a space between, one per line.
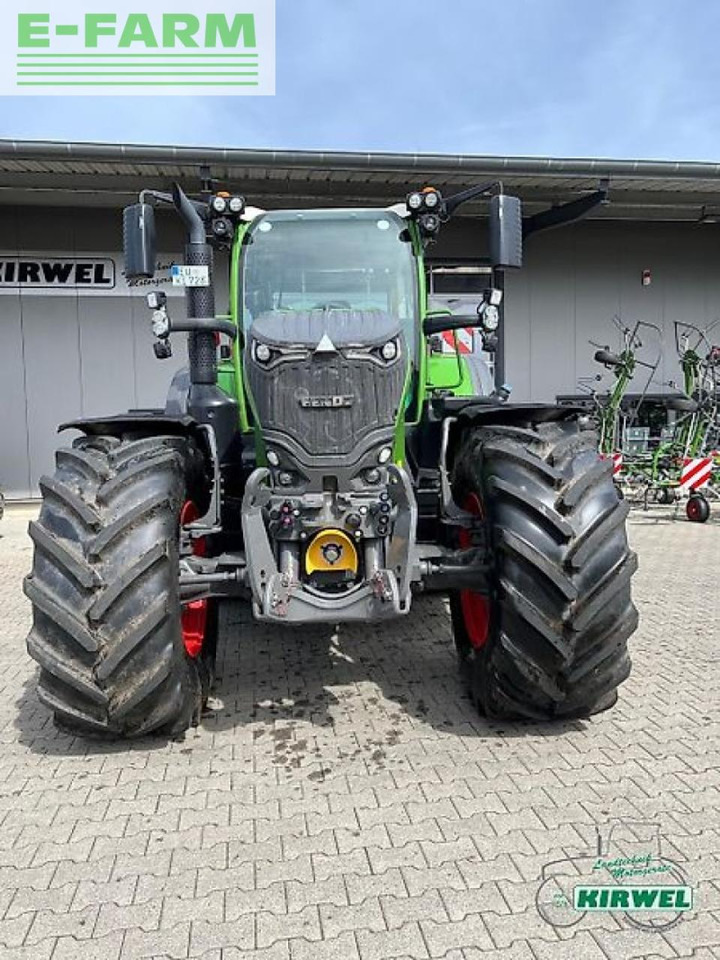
111, 175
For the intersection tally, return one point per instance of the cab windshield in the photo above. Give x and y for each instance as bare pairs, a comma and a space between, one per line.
329, 259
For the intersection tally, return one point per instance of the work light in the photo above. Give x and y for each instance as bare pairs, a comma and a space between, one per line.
222, 227
156, 300
415, 201
219, 204
429, 223
432, 199
493, 296
491, 317
237, 204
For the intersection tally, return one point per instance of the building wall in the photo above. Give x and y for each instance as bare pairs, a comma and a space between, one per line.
77, 352
84, 354
577, 278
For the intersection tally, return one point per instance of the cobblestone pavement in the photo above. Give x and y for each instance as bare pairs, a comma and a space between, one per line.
344, 800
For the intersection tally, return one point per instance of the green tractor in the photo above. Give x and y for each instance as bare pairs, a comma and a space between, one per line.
316, 461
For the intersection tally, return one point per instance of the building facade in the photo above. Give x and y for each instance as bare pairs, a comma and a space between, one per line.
76, 337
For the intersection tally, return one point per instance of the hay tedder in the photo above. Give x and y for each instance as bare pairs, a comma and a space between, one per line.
682, 462
309, 464
613, 421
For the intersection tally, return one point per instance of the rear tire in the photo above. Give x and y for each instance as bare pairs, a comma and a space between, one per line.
560, 611
104, 588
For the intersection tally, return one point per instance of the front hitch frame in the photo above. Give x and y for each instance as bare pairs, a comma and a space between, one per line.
279, 598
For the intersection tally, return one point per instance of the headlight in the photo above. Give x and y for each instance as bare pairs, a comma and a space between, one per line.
384, 455
389, 350
262, 352
160, 324
219, 204
491, 318
415, 201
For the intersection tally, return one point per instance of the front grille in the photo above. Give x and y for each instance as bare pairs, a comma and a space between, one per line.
326, 430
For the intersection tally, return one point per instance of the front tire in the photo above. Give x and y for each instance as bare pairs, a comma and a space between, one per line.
559, 611
107, 625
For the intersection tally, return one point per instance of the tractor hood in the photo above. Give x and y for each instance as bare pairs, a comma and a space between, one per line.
330, 327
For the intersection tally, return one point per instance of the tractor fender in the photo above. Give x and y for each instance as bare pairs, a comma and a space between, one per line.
176, 404
491, 412
514, 414
151, 423
141, 422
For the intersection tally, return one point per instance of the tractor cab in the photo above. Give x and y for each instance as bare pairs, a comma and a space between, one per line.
332, 261
328, 303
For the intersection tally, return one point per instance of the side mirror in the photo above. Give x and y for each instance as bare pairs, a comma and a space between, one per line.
506, 232
139, 244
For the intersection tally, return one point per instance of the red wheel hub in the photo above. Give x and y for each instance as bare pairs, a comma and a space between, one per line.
475, 606
193, 619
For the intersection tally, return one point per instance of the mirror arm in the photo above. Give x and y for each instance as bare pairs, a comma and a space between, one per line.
156, 195
190, 210
453, 202
204, 325
433, 325
567, 212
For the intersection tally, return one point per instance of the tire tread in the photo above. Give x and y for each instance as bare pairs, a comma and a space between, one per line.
106, 611
562, 604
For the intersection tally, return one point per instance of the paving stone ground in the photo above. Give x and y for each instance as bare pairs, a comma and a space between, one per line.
343, 800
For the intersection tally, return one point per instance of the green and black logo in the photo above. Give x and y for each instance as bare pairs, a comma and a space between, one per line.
627, 874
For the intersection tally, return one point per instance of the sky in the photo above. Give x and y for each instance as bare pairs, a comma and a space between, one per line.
565, 78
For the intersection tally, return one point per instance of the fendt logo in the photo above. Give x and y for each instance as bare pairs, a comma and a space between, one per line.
327, 402
173, 47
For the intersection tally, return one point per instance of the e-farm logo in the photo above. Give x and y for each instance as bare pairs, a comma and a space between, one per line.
175, 47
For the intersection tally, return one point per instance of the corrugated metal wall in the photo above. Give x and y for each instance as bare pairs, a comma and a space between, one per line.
575, 279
